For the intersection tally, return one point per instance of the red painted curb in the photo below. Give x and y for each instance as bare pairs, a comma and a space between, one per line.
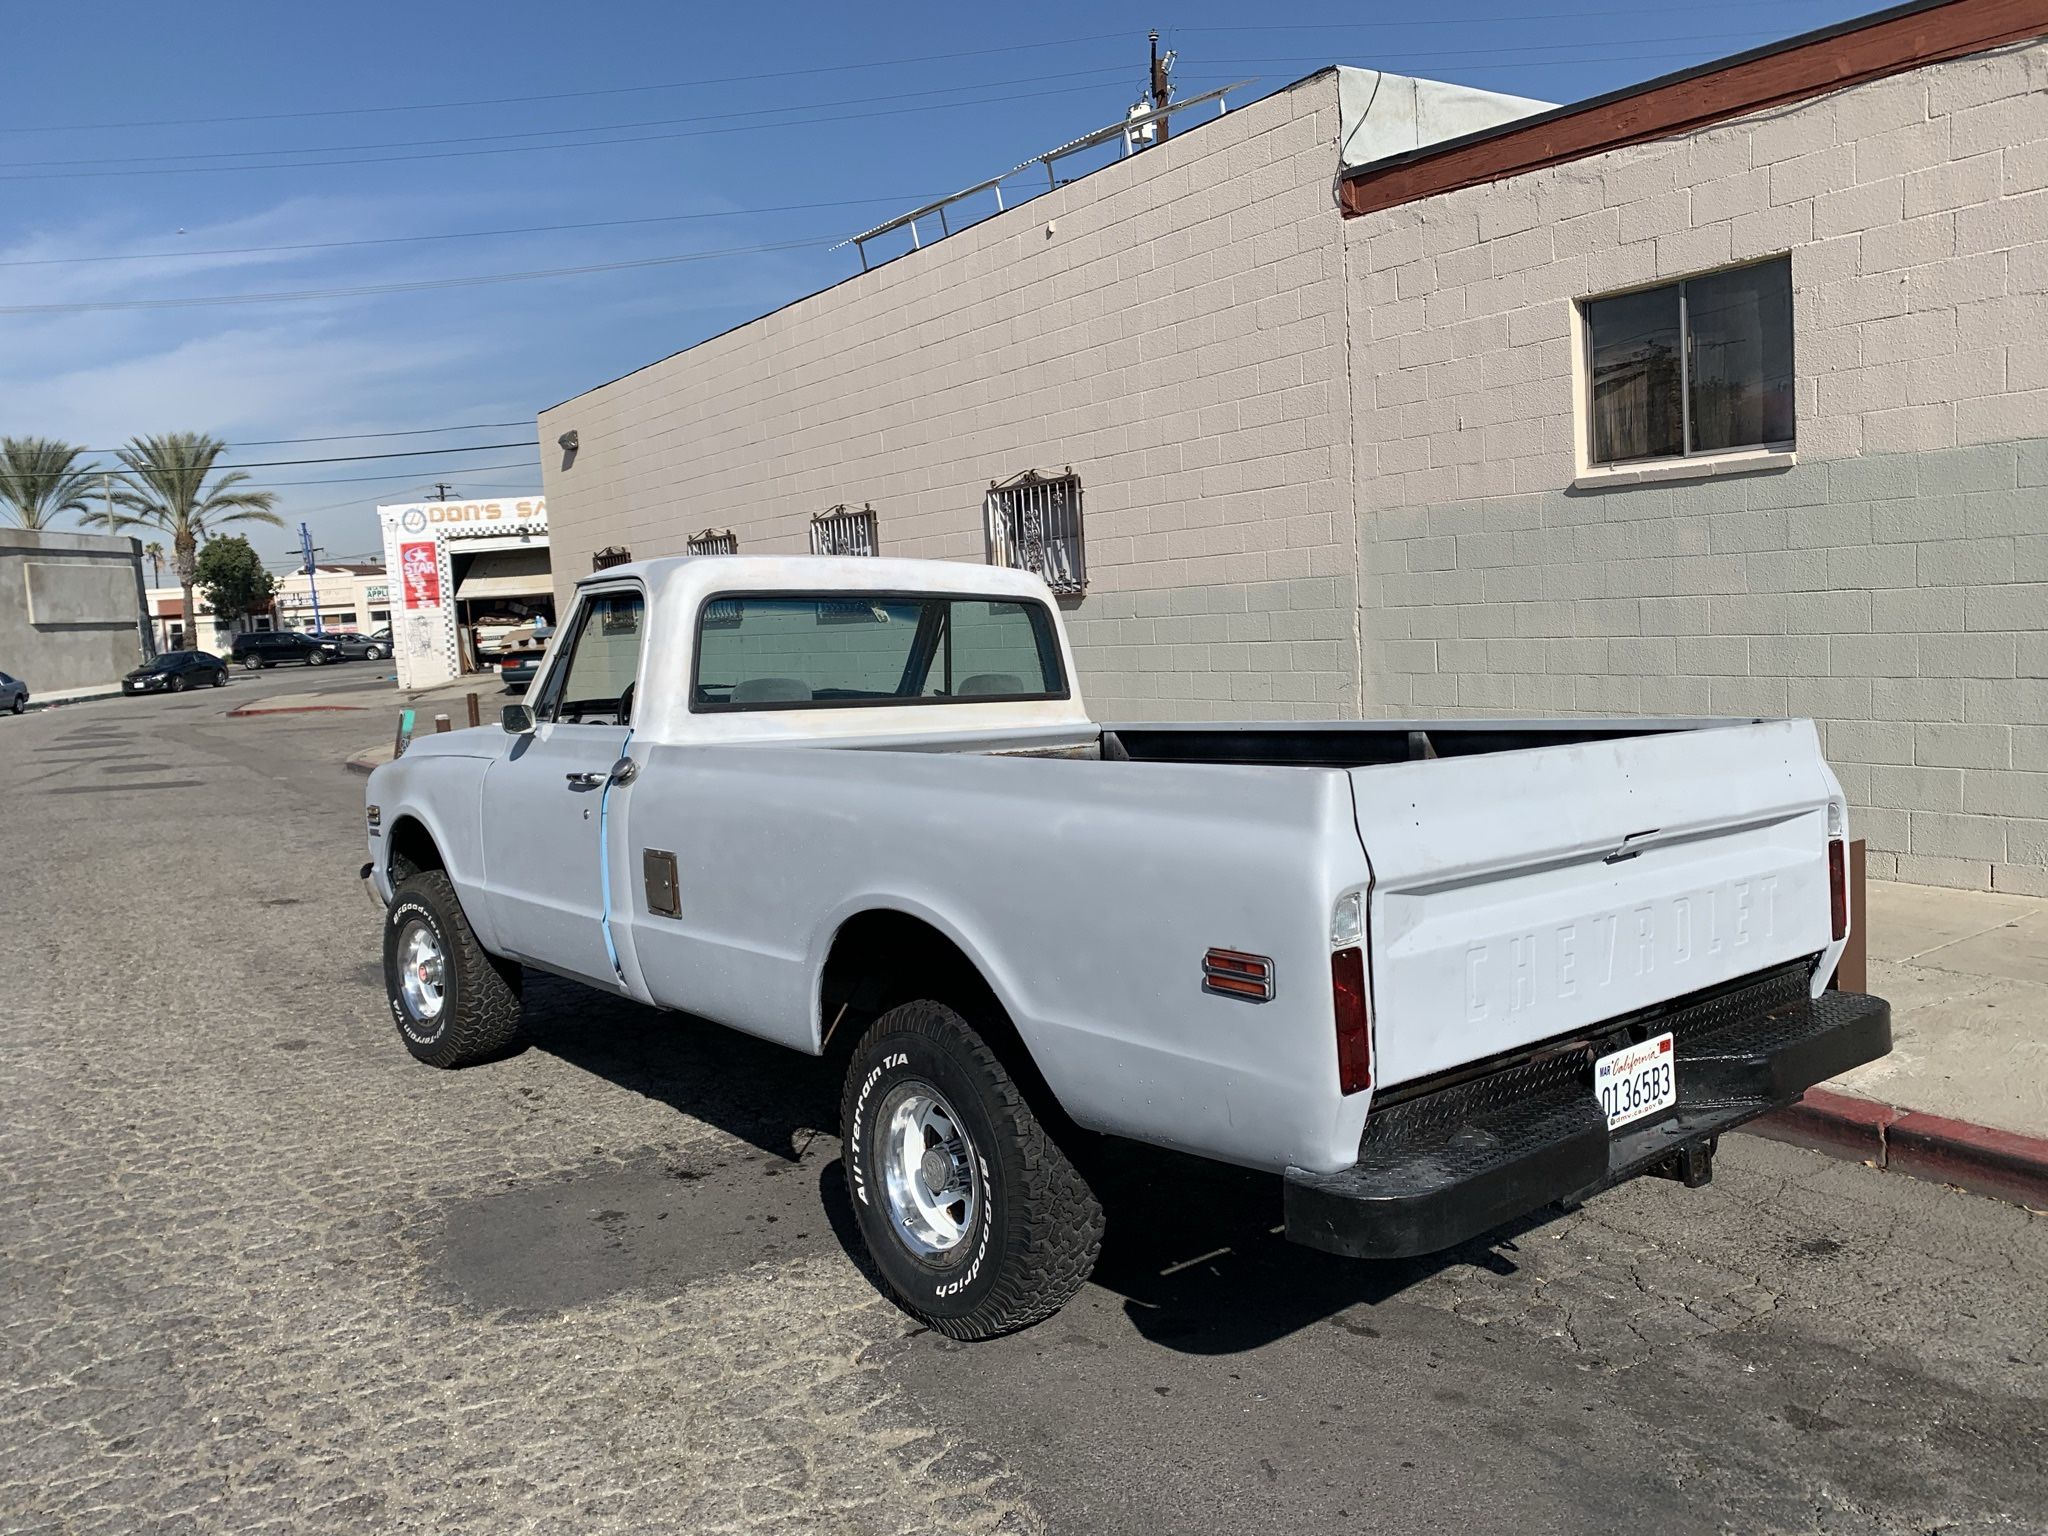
1833, 1123
299, 709
2004, 1165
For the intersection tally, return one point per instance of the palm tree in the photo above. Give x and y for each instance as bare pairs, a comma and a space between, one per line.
41, 478
156, 562
163, 485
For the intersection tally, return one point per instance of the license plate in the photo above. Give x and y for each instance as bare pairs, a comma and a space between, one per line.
1637, 1081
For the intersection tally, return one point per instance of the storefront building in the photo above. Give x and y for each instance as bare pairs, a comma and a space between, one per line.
347, 599
464, 574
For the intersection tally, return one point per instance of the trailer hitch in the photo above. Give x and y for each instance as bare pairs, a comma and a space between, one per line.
1692, 1166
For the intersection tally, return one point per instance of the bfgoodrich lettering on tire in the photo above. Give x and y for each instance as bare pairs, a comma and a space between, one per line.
975, 1218
453, 1002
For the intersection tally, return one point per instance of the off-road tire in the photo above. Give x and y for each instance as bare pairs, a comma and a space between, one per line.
1035, 1239
480, 1011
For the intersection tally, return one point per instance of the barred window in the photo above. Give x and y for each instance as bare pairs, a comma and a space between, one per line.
1033, 523
842, 531
1699, 366
714, 541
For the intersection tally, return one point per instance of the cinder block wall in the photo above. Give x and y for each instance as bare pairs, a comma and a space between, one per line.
1171, 326
1893, 584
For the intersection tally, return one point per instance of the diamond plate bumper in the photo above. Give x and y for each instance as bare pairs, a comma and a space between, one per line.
1460, 1159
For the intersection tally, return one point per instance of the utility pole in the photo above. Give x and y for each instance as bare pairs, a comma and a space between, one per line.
312, 588
443, 490
1162, 91
107, 490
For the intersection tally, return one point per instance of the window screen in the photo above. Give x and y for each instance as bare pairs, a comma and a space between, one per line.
811, 650
1698, 366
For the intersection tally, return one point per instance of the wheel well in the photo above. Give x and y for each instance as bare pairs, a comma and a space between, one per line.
884, 957
412, 849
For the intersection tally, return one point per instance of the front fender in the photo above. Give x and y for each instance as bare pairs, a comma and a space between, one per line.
444, 795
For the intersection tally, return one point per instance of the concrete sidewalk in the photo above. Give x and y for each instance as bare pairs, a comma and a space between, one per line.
1963, 1096
450, 699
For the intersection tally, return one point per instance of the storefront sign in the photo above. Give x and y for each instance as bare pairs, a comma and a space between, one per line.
422, 575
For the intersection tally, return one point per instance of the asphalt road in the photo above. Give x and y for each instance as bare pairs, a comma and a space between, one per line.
261, 1272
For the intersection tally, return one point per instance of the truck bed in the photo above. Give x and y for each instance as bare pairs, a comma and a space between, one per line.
1369, 743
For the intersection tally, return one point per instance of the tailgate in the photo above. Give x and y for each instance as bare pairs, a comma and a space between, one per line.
1519, 896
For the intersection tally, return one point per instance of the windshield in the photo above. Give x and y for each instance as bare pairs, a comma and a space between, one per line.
819, 649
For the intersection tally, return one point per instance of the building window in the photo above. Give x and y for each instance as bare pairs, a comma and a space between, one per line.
841, 531
1694, 367
714, 541
1033, 523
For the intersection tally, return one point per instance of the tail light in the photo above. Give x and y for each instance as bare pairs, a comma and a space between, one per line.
1838, 886
1354, 1032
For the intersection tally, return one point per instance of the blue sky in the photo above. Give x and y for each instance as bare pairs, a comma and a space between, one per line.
195, 141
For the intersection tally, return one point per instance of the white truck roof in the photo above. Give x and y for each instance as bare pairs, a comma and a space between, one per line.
677, 586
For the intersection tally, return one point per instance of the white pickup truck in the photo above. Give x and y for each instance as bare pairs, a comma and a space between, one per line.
1434, 975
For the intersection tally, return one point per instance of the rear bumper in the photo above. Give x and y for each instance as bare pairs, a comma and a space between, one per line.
1444, 1166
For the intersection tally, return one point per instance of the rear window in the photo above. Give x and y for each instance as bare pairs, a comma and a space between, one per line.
817, 650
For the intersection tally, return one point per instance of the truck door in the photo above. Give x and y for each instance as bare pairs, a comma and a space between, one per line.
547, 800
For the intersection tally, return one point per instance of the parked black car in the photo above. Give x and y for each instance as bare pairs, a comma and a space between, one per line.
175, 671
268, 648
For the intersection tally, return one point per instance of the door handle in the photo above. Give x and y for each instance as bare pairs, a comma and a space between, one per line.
587, 780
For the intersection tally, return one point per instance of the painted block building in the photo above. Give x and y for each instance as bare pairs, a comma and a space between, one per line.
1720, 395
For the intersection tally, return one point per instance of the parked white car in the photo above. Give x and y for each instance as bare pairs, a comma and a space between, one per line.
1434, 975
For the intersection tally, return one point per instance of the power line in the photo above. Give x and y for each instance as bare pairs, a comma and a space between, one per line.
421, 285
527, 100
349, 437
540, 133
345, 458
468, 234
468, 469
526, 149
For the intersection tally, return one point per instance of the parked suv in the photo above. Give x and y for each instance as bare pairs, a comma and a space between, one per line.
267, 649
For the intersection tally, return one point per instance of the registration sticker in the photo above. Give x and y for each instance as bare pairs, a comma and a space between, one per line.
1637, 1081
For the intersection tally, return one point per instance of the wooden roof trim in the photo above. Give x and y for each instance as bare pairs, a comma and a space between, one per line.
1868, 48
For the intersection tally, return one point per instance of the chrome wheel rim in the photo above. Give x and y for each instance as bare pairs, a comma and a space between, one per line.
930, 1181
422, 972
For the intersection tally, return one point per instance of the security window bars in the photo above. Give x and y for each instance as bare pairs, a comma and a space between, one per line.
714, 541
1693, 367
842, 531
1033, 523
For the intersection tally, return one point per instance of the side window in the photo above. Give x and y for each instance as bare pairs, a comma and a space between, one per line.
594, 685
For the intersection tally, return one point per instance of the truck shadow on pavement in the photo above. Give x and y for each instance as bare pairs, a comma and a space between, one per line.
1192, 1247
